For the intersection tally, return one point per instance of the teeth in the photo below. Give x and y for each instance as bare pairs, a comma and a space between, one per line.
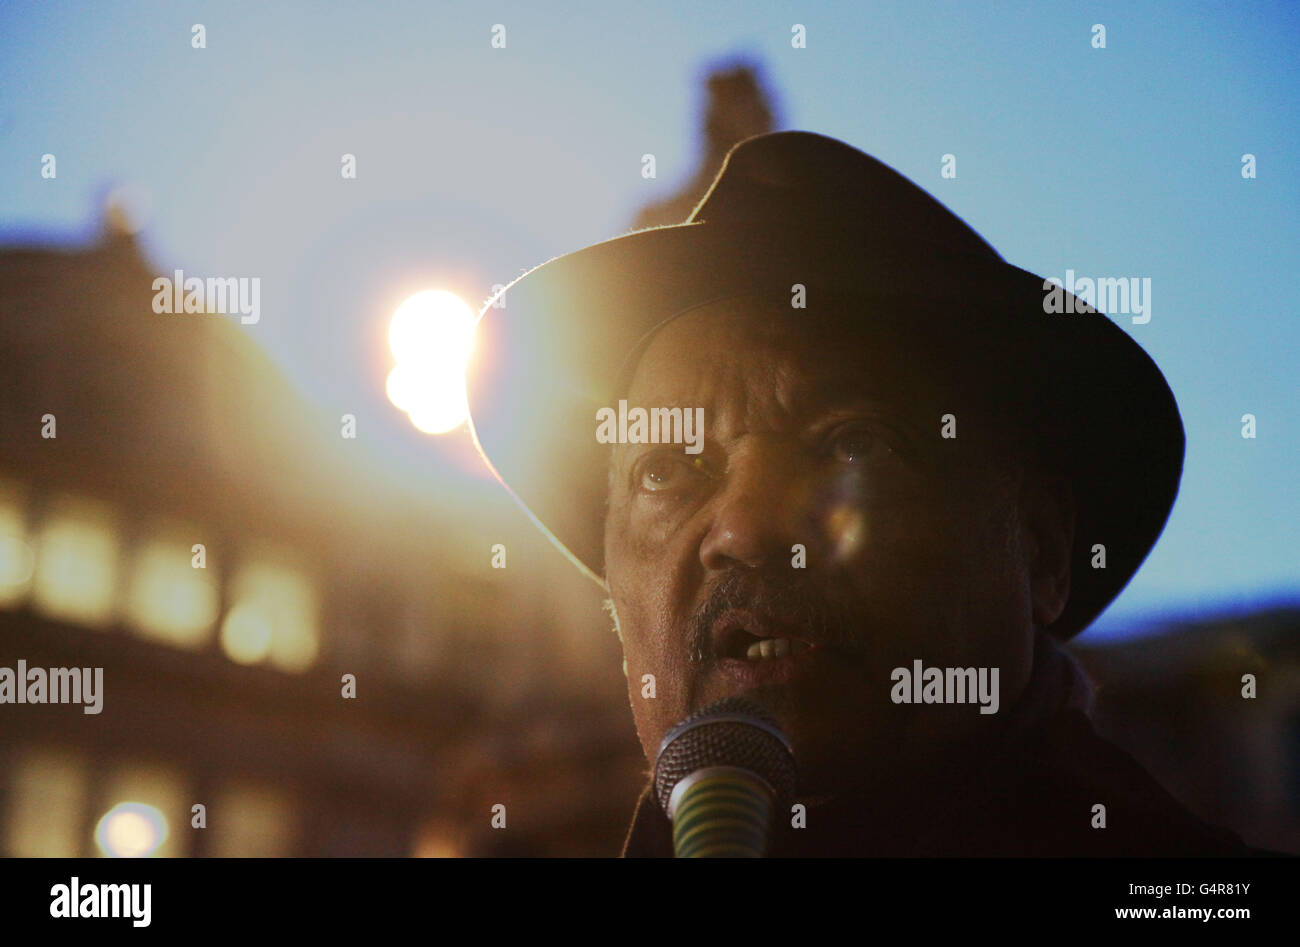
771, 648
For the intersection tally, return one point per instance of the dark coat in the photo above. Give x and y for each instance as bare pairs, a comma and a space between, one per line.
1033, 795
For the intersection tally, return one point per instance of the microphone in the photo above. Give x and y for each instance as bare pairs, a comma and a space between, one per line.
718, 776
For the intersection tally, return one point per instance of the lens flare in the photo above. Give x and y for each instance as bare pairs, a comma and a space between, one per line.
131, 830
431, 336
845, 528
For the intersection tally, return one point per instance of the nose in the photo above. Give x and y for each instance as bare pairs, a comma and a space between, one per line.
751, 518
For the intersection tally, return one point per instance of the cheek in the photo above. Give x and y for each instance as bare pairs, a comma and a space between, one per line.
936, 577
646, 594
656, 528
649, 654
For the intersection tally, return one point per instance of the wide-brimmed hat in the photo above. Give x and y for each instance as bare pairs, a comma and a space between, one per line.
798, 208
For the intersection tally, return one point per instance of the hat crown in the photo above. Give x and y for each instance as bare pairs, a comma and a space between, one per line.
801, 180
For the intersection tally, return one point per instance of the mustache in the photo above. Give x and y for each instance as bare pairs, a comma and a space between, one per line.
779, 595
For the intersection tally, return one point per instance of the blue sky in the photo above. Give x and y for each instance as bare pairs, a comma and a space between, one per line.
475, 163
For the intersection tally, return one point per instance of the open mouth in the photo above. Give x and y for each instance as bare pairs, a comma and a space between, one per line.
742, 635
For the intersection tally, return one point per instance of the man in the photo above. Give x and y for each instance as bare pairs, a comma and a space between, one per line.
916, 476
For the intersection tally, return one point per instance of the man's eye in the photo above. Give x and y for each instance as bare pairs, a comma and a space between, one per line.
855, 446
667, 471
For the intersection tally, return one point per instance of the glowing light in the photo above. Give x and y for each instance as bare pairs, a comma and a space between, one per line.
434, 842
431, 336
76, 570
131, 830
150, 794
246, 634
272, 618
401, 386
17, 561
444, 412
170, 600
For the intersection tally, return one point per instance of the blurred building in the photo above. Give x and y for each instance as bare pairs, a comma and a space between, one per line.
223, 683
476, 687
736, 107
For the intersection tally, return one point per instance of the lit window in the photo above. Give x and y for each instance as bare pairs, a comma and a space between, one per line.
170, 600
272, 618
76, 566
47, 798
17, 561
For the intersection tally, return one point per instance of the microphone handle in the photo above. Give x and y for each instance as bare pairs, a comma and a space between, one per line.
721, 812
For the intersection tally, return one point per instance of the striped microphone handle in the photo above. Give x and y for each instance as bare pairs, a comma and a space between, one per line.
721, 812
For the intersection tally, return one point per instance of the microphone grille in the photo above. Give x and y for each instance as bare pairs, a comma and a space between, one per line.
730, 732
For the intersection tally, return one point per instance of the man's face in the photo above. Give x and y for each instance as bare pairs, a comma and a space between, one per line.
827, 514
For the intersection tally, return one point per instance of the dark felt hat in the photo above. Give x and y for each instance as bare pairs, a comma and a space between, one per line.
799, 208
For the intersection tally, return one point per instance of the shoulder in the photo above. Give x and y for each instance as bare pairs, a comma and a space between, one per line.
1090, 797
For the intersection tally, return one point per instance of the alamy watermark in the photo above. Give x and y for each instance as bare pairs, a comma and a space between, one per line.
651, 426
75, 899
923, 685
26, 685
228, 294
1126, 295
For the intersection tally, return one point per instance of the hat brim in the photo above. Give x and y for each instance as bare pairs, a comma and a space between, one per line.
549, 349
